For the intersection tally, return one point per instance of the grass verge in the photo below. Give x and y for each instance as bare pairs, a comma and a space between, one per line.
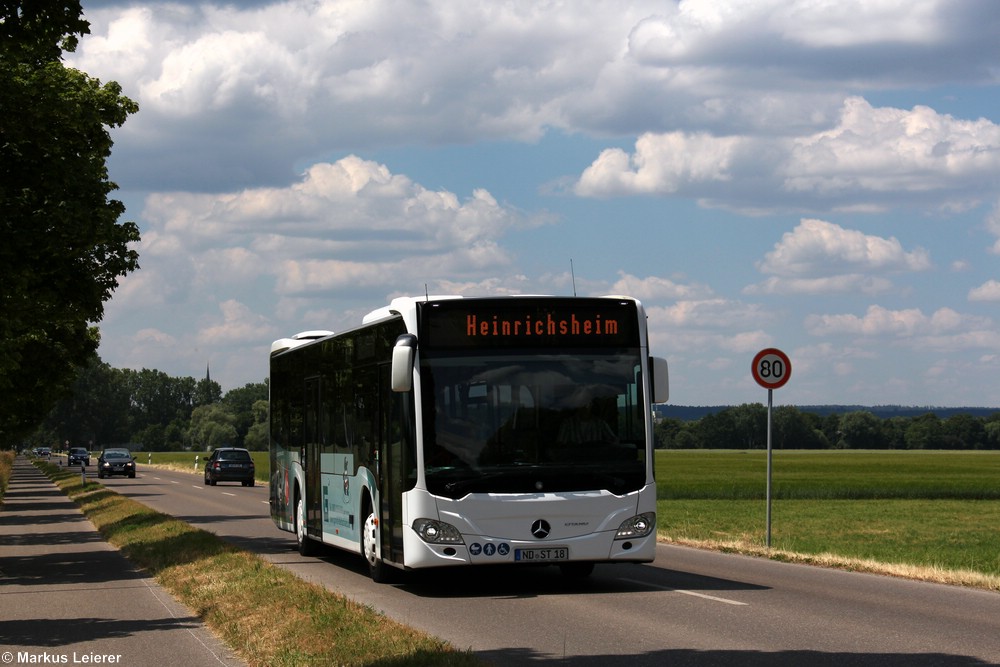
926, 573
266, 615
6, 466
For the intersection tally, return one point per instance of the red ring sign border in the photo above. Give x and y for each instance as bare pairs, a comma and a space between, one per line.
764, 369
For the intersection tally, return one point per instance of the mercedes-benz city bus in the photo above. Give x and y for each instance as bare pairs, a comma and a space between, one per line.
451, 431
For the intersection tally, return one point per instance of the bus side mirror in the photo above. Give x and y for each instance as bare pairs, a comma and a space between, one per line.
660, 379
403, 354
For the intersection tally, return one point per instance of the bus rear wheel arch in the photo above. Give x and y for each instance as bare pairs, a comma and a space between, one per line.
377, 569
304, 543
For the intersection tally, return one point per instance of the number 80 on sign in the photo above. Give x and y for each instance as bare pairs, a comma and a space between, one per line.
771, 368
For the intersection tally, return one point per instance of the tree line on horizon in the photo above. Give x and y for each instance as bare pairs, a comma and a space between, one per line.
148, 410
745, 427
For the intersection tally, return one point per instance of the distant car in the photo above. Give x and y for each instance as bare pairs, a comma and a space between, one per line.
229, 464
79, 455
115, 462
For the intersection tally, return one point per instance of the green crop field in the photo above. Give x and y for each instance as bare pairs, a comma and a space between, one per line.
828, 475
929, 509
186, 461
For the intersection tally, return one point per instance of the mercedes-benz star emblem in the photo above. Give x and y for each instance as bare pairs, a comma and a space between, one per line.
541, 528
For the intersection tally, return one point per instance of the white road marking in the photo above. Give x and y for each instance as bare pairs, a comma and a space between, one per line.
691, 593
226, 493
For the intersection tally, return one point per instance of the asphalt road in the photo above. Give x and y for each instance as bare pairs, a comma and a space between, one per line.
690, 607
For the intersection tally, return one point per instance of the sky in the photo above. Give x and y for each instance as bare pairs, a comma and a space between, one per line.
818, 176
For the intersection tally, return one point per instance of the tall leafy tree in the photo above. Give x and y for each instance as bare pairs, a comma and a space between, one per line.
206, 392
258, 436
157, 399
924, 432
63, 248
96, 413
860, 430
242, 402
211, 427
794, 429
963, 431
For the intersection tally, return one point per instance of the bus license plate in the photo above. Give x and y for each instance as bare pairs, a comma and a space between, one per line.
541, 555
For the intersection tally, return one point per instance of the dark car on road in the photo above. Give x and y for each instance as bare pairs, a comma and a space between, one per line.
115, 462
229, 464
79, 456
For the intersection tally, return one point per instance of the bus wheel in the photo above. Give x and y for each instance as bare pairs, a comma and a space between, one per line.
576, 570
379, 571
306, 545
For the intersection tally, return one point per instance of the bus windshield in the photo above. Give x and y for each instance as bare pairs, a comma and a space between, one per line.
525, 421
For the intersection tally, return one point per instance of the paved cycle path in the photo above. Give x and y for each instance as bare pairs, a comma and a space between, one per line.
68, 597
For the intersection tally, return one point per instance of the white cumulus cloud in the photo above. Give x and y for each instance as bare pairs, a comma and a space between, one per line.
887, 150
988, 291
870, 159
819, 256
909, 322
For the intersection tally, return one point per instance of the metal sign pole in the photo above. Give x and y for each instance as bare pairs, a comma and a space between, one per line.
771, 369
769, 393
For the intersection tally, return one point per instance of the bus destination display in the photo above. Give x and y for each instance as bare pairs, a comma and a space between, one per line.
475, 323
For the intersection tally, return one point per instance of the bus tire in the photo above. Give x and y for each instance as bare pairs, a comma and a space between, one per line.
305, 544
379, 571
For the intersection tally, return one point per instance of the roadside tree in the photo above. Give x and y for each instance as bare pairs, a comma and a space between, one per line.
63, 248
211, 427
242, 403
96, 412
258, 436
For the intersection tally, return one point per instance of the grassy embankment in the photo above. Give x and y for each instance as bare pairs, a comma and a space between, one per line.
267, 615
923, 514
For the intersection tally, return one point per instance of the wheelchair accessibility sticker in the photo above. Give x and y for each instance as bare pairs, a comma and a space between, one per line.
489, 549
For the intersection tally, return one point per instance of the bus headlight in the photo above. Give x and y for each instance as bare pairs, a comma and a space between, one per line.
640, 525
437, 532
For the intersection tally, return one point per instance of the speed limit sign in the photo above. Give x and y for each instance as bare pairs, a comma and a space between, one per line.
771, 368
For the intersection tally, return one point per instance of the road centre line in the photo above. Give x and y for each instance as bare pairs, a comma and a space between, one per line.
226, 493
691, 593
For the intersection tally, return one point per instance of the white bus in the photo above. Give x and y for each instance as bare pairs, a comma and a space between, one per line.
451, 431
